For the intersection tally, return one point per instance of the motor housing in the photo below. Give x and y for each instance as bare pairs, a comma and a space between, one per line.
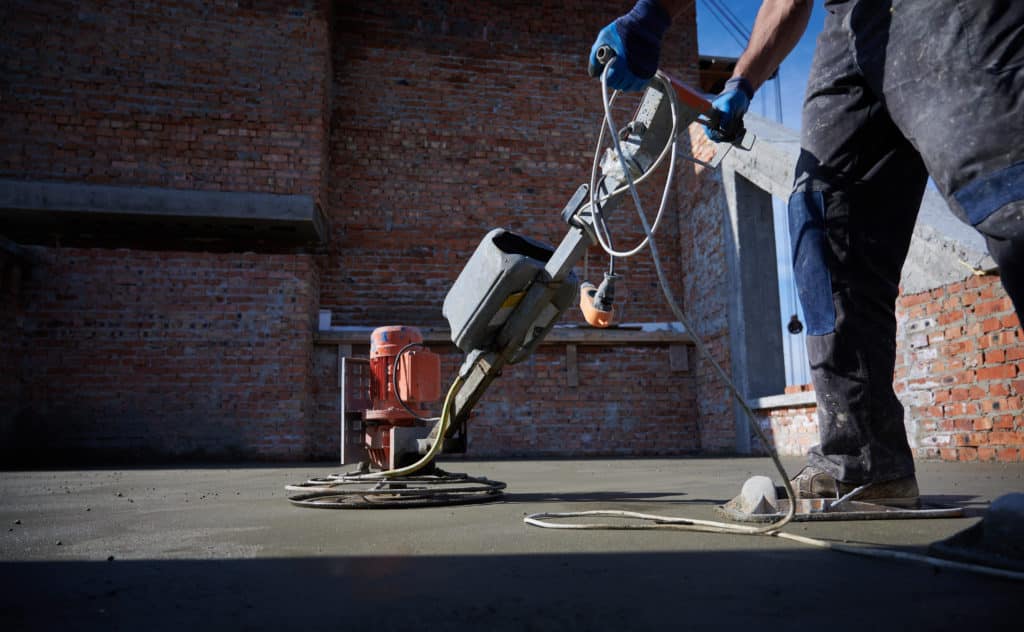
391, 432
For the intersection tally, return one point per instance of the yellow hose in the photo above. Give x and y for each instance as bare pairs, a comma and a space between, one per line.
446, 414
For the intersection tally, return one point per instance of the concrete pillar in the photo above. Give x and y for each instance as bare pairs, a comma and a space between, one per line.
758, 364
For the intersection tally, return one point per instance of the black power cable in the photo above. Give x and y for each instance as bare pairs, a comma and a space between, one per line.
394, 380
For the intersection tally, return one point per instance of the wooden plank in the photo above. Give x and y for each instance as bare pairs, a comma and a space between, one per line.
557, 336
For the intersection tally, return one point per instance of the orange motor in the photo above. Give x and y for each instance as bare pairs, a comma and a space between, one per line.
419, 382
419, 375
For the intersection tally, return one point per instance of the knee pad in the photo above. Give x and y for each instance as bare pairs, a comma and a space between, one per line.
994, 204
813, 280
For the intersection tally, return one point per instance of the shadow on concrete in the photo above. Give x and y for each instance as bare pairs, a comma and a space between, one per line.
733, 589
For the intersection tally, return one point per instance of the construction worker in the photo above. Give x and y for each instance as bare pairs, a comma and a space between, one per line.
899, 90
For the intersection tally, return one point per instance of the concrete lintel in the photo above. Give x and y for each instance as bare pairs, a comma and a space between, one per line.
22, 200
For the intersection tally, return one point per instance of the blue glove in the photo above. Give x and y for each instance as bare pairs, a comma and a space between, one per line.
732, 104
636, 40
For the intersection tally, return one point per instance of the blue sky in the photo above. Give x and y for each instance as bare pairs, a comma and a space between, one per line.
714, 39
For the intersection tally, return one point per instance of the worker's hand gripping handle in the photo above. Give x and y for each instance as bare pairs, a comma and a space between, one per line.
729, 129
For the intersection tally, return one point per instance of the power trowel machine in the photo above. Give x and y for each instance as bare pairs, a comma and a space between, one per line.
508, 296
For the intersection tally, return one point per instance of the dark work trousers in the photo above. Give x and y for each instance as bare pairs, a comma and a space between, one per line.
899, 90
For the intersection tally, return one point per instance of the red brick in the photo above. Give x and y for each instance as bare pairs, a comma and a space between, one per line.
991, 324
997, 355
984, 423
1006, 438
967, 454
1002, 422
998, 389
1004, 372
1008, 455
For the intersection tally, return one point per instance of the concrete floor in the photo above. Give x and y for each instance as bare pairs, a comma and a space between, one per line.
221, 547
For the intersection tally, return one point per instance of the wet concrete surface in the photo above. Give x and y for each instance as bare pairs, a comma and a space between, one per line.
206, 547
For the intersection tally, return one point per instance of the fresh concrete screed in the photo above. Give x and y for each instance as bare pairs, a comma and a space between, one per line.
221, 546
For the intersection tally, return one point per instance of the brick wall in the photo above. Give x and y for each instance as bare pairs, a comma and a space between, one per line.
448, 123
125, 353
198, 95
702, 219
791, 429
418, 126
208, 358
628, 402
959, 374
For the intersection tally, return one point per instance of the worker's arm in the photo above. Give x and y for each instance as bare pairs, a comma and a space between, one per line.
779, 26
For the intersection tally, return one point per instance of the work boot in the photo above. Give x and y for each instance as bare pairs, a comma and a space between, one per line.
812, 482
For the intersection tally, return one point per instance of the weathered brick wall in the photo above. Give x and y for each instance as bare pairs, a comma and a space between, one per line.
702, 217
226, 96
628, 401
448, 123
418, 126
208, 358
959, 374
128, 353
453, 119
791, 429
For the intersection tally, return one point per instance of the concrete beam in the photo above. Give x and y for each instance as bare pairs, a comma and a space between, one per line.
755, 337
28, 205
